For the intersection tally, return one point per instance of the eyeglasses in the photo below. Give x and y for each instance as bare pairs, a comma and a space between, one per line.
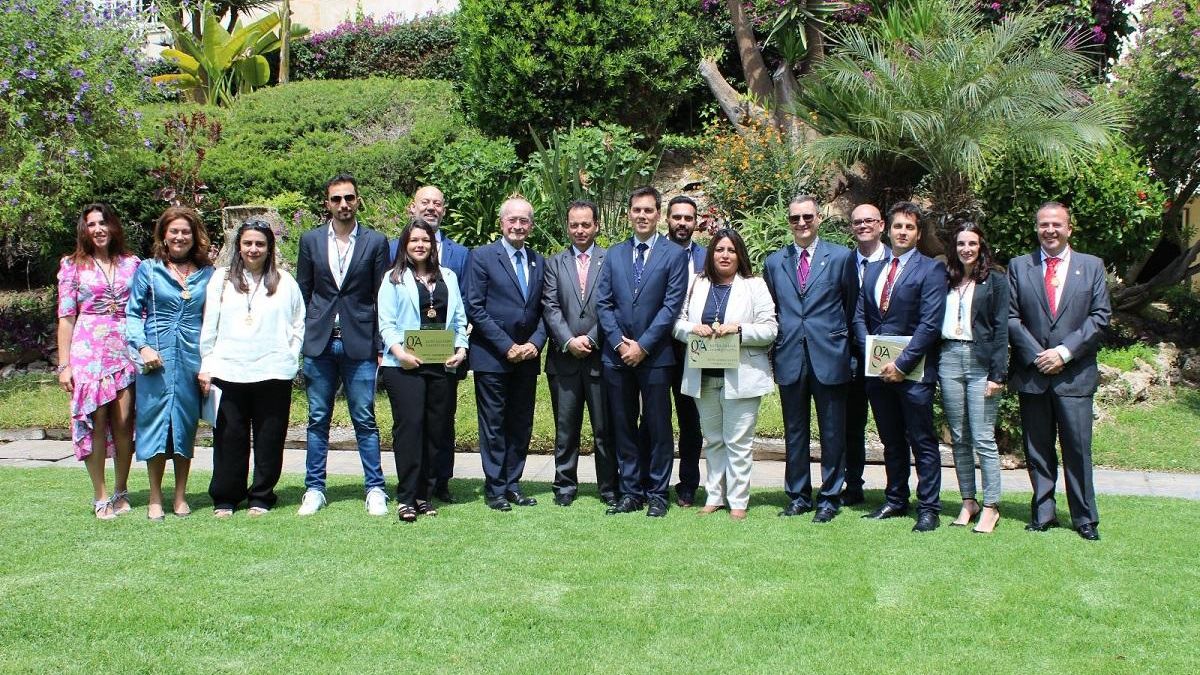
518, 220
864, 221
337, 199
806, 217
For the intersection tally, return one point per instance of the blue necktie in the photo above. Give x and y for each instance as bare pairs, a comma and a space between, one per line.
639, 263
521, 281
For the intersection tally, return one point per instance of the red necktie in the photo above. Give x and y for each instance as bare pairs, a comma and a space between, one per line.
886, 297
581, 269
802, 269
1051, 266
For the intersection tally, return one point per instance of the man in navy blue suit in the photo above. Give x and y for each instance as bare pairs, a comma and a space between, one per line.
504, 304
905, 294
638, 297
815, 288
429, 204
681, 225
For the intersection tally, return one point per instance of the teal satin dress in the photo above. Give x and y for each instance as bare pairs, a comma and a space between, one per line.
160, 317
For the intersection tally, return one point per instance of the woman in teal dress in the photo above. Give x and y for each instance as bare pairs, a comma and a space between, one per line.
166, 305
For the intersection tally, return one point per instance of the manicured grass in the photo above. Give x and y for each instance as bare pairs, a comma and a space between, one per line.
1159, 437
546, 589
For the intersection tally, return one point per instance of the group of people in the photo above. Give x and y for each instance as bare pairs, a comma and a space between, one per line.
620, 328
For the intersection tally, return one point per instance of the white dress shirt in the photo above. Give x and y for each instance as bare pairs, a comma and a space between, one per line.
266, 348
956, 323
1060, 276
882, 280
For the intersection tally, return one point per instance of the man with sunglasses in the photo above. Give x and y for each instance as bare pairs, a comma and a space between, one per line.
866, 224
815, 286
339, 271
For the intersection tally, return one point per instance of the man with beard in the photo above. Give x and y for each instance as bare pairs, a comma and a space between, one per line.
681, 225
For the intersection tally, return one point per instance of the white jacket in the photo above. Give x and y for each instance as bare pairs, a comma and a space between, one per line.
750, 306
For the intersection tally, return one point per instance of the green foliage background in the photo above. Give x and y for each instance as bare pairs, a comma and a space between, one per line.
424, 48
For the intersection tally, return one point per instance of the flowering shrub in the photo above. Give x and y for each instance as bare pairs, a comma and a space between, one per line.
748, 171
68, 78
421, 48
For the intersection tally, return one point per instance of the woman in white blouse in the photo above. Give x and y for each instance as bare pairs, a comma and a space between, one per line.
250, 349
726, 299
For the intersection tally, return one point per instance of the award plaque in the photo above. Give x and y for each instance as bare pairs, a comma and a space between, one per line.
883, 349
431, 346
713, 352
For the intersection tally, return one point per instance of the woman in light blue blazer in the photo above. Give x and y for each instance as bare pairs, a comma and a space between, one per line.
418, 294
726, 299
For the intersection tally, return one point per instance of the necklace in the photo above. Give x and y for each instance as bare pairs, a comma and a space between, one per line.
250, 297
962, 292
342, 255
109, 297
181, 276
721, 299
430, 286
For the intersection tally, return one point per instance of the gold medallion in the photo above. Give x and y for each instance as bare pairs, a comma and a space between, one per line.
186, 294
715, 326
431, 313
249, 320
958, 330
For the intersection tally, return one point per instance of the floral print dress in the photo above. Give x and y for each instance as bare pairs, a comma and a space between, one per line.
100, 363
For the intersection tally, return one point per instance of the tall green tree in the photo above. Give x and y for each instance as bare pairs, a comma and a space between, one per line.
931, 93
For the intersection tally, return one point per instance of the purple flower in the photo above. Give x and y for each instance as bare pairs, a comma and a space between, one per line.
4, 85
146, 142
28, 73
30, 45
72, 152
77, 73
1098, 34
995, 7
109, 87
1178, 14
85, 55
71, 118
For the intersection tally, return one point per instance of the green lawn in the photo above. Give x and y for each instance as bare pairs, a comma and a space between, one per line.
549, 589
1153, 437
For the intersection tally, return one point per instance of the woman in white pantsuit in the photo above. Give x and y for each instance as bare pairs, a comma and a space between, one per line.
722, 300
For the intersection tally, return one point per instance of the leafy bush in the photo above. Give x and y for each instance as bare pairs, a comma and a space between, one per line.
547, 64
27, 323
68, 77
1122, 358
1115, 205
1185, 311
755, 170
476, 175
421, 48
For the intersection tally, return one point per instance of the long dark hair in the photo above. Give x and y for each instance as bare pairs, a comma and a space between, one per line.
200, 242
237, 267
983, 264
403, 262
85, 249
739, 248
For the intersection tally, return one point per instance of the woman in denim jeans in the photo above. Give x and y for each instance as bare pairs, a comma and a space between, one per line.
974, 363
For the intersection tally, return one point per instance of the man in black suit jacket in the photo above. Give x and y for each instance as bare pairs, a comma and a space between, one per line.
1060, 308
504, 304
681, 225
339, 271
905, 294
573, 360
638, 297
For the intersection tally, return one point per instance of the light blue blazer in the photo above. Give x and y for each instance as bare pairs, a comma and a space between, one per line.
399, 311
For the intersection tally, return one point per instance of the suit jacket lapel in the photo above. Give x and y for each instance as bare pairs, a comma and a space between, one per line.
356, 257
322, 261
507, 264
593, 275
979, 297
791, 260
817, 264
1038, 281
1064, 297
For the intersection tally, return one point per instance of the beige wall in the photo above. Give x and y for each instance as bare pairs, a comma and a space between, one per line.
323, 15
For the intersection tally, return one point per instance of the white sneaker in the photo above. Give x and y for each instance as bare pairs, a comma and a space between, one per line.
377, 502
311, 502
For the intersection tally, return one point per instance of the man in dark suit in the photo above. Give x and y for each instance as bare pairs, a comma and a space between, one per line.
429, 204
504, 303
573, 360
905, 294
638, 297
815, 288
681, 225
866, 224
1060, 308
339, 271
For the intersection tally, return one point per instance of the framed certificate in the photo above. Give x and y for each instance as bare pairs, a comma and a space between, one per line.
713, 352
883, 349
431, 346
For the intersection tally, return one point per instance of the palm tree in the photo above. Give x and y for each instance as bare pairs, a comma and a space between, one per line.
929, 94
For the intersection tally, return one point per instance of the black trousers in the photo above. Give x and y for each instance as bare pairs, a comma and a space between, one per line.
257, 410
1070, 418
420, 401
568, 396
691, 441
904, 415
444, 455
504, 403
639, 402
856, 434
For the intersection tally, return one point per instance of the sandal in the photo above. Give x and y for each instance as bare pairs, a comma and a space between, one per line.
426, 509
257, 511
184, 512
103, 509
970, 509
120, 495
222, 514
156, 519
406, 513
989, 519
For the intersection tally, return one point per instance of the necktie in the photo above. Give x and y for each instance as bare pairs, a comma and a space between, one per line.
581, 269
862, 270
1051, 266
802, 269
519, 257
886, 297
639, 263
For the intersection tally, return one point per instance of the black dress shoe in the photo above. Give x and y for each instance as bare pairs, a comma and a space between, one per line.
442, 494
519, 499
1088, 532
926, 522
824, 515
608, 498
563, 499
658, 508
1035, 526
887, 511
499, 504
794, 509
852, 498
684, 499
626, 505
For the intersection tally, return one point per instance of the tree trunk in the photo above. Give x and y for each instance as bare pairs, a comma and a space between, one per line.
758, 79
285, 42
233, 17
736, 109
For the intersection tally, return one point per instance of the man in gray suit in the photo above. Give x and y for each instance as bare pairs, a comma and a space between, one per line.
1060, 308
573, 359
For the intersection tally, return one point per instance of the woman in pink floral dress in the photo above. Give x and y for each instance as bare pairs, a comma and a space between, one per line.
94, 367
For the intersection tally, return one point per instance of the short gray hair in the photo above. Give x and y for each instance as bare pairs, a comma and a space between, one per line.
802, 198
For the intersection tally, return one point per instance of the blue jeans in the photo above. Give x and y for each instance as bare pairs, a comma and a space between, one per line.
972, 419
322, 375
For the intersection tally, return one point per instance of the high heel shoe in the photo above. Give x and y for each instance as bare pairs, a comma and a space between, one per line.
967, 514
989, 519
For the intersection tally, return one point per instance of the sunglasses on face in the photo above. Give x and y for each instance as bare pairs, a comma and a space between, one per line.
338, 199
795, 219
260, 225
